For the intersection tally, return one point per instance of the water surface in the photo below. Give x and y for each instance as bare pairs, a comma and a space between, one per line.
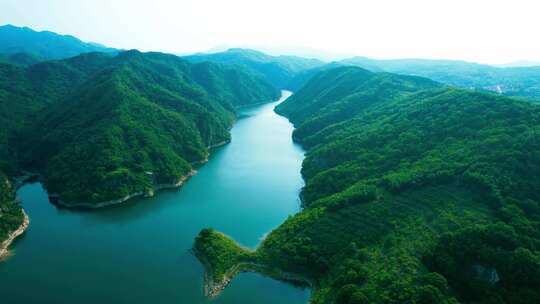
139, 252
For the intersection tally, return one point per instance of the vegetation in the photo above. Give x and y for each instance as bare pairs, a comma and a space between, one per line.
110, 126
277, 70
219, 253
415, 193
43, 45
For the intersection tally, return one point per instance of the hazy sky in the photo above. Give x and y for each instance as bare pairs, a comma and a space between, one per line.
490, 31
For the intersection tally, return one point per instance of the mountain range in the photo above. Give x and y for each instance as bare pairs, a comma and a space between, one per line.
17, 42
278, 70
421, 177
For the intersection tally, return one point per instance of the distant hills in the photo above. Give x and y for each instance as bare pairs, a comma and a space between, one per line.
510, 81
278, 70
520, 63
43, 45
292, 72
24, 46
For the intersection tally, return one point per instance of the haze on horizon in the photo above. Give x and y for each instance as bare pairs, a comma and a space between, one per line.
482, 31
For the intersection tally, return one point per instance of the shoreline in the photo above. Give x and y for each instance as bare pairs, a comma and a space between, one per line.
213, 289
121, 200
219, 144
258, 103
209, 148
4, 247
55, 199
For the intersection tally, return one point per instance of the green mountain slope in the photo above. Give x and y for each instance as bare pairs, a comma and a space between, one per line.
415, 193
110, 126
511, 81
25, 92
277, 70
43, 45
352, 89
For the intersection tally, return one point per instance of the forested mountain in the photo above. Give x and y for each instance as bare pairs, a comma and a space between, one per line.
24, 92
511, 81
415, 193
43, 45
278, 70
99, 127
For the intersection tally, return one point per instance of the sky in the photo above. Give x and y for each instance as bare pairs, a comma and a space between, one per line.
491, 31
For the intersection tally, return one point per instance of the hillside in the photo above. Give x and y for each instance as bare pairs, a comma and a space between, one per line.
511, 81
277, 70
415, 193
25, 92
43, 45
350, 91
111, 126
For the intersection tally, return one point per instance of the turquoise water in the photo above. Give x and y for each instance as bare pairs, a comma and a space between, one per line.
139, 252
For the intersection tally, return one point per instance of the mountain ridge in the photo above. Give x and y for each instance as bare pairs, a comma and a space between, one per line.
44, 45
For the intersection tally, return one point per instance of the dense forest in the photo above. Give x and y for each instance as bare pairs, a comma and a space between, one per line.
415, 193
108, 126
161, 115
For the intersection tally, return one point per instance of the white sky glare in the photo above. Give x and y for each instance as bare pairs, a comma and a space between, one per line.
475, 30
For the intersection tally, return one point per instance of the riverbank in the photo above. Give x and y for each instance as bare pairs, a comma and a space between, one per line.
4, 247
149, 193
213, 288
206, 158
223, 259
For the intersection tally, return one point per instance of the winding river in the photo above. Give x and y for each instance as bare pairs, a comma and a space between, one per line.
139, 252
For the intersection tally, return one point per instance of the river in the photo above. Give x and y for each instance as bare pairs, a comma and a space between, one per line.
139, 252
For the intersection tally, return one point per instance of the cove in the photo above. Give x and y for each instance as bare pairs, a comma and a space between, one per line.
139, 252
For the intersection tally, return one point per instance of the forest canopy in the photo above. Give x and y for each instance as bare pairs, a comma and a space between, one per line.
415, 193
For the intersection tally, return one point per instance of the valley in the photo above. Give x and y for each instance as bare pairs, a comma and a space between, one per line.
140, 251
202, 178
